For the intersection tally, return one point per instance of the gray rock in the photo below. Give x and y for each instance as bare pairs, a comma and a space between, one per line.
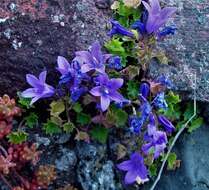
188, 49
94, 171
67, 161
193, 174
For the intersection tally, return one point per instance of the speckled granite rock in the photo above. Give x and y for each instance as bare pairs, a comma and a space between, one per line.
189, 48
34, 33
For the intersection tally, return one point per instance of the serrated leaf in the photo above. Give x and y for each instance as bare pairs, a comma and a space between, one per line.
133, 90
99, 133
68, 127
17, 137
57, 107
77, 108
195, 124
171, 160
31, 120
115, 46
51, 128
83, 119
153, 170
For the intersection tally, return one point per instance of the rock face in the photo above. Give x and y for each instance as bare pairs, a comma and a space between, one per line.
193, 173
34, 33
188, 49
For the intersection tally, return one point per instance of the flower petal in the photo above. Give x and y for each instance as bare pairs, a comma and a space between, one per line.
96, 91
147, 6
117, 97
116, 83
33, 81
85, 56
155, 6
130, 177
42, 76
86, 68
29, 93
105, 102
63, 65
125, 166
96, 52
35, 99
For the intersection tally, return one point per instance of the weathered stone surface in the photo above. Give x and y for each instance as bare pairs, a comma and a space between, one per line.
193, 173
188, 49
34, 33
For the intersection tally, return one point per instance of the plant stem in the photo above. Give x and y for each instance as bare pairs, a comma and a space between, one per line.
177, 136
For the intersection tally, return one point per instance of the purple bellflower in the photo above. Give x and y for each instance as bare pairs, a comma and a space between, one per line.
136, 124
72, 76
107, 90
139, 26
92, 59
166, 124
157, 17
135, 168
40, 88
144, 89
117, 28
157, 141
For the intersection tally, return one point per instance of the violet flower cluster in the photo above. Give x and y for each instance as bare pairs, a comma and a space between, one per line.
155, 137
79, 78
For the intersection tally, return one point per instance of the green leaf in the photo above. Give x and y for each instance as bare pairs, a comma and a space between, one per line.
51, 128
131, 71
153, 170
121, 118
83, 119
77, 108
99, 133
31, 120
24, 102
17, 137
57, 107
68, 127
195, 124
171, 160
133, 89
189, 111
173, 98
115, 46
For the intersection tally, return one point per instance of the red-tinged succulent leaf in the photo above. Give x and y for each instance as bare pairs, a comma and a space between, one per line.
6, 163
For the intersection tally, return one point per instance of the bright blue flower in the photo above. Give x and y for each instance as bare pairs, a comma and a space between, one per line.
166, 124
117, 28
160, 102
167, 31
165, 81
136, 124
122, 104
139, 26
115, 63
76, 93
144, 89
